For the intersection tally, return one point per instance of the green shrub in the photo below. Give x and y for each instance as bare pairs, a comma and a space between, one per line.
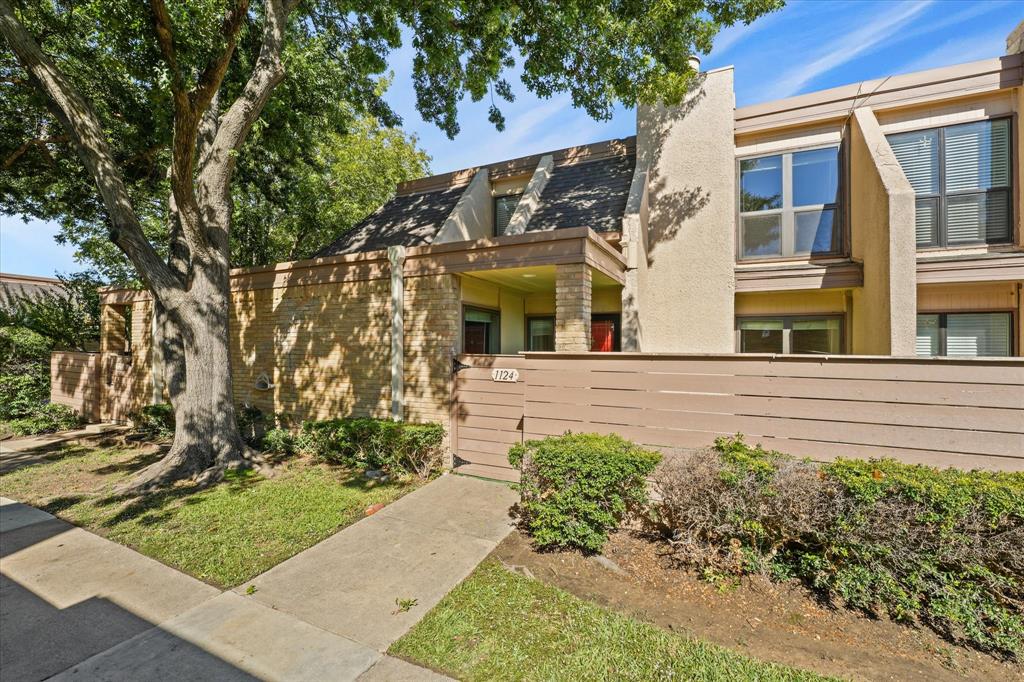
48, 418
938, 547
577, 487
374, 444
278, 441
154, 421
24, 372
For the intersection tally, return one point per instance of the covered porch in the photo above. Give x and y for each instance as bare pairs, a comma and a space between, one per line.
558, 290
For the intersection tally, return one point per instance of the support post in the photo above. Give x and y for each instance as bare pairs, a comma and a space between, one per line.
573, 294
396, 258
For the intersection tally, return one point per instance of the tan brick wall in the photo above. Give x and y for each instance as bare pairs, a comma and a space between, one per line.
325, 348
573, 291
431, 340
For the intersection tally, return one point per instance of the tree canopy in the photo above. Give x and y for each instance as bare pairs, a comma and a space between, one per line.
326, 123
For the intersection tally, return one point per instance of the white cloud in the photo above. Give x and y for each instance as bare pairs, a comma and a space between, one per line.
957, 51
837, 52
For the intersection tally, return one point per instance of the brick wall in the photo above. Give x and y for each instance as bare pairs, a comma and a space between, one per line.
573, 287
325, 349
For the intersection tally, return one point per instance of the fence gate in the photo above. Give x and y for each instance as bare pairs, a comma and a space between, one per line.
487, 414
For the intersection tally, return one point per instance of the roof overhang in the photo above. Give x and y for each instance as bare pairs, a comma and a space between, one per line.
553, 247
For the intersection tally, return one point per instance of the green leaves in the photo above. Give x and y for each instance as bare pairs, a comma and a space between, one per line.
577, 487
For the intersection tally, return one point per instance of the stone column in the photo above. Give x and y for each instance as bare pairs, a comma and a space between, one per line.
573, 289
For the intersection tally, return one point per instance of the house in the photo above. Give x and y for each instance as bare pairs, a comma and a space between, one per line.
16, 288
878, 218
779, 252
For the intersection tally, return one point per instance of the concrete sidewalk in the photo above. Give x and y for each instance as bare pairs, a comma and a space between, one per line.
19, 452
77, 606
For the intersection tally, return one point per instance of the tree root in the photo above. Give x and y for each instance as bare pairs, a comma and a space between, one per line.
192, 464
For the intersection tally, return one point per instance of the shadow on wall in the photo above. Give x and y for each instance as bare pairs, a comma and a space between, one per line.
326, 349
670, 209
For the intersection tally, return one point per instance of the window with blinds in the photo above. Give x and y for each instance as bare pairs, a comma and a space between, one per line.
965, 334
962, 177
504, 207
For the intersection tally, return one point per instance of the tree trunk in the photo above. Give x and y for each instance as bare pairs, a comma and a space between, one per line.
207, 441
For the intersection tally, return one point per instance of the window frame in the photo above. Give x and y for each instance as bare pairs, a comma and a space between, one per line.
787, 330
786, 240
494, 211
942, 227
462, 326
526, 326
943, 327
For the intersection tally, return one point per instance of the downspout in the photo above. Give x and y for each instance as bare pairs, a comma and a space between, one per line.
396, 258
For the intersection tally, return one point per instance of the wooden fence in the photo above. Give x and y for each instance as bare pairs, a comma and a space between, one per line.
967, 413
74, 381
100, 386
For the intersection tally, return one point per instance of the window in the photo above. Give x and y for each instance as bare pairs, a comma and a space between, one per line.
970, 334
962, 176
481, 331
504, 207
802, 335
605, 334
540, 334
789, 204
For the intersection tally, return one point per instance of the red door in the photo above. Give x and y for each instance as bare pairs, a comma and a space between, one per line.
602, 336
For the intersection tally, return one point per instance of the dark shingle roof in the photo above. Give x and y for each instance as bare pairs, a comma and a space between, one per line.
406, 220
591, 194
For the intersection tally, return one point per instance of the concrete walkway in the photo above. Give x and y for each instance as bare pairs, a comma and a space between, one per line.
75, 606
19, 452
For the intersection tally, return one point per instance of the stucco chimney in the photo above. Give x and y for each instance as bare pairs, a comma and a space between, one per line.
1015, 41
685, 284
694, 61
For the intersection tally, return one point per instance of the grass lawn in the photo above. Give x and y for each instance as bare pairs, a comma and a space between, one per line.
224, 534
499, 625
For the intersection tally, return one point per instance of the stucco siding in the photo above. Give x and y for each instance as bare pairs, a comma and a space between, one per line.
686, 293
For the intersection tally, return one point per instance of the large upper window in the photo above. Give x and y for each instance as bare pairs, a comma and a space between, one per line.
504, 207
789, 204
962, 177
802, 335
970, 334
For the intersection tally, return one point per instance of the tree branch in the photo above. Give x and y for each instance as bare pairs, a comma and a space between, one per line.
28, 144
212, 76
237, 121
82, 124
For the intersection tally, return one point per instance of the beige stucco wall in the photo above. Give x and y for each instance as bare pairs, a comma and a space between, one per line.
685, 295
473, 215
882, 215
812, 302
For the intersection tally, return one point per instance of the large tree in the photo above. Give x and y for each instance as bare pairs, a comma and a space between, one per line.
123, 81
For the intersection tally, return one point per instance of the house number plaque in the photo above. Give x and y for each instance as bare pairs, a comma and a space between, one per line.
507, 375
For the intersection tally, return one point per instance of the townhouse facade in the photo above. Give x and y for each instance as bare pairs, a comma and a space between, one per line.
877, 218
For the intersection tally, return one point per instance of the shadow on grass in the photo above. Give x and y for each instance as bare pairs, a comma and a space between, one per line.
140, 461
158, 505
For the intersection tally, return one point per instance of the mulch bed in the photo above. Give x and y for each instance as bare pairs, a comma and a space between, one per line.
783, 623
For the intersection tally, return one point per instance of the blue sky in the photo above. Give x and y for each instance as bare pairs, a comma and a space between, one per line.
809, 45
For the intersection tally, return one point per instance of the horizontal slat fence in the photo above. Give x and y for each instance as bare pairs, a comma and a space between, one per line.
74, 381
965, 413
487, 416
